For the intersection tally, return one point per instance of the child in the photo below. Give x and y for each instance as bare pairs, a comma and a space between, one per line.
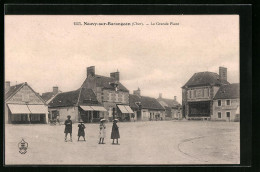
68, 128
102, 131
81, 131
115, 132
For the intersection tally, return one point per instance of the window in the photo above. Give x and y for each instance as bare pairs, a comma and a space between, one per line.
206, 93
228, 102
116, 97
219, 102
219, 114
228, 114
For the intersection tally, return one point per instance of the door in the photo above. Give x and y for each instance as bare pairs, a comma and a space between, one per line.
228, 116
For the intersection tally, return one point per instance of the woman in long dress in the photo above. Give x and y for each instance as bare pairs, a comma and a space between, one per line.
115, 132
102, 131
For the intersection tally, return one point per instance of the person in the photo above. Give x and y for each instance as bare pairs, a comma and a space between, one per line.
115, 131
102, 131
68, 128
81, 131
58, 119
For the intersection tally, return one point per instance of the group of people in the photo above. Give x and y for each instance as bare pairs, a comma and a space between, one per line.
102, 130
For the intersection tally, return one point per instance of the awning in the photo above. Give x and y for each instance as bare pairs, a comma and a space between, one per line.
122, 108
86, 108
38, 109
98, 108
18, 109
129, 109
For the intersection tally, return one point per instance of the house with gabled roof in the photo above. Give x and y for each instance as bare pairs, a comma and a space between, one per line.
226, 103
110, 92
48, 96
24, 105
173, 109
79, 104
146, 108
198, 93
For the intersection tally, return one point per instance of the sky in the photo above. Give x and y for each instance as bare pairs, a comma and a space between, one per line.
47, 51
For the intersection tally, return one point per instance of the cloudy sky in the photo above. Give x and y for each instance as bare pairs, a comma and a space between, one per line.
46, 51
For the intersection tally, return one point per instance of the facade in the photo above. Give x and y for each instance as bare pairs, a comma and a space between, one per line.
226, 103
146, 108
79, 104
199, 91
173, 109
24, 105
48, 96
110, 93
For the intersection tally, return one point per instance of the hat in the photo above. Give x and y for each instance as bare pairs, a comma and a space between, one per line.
115, 120
80, 121
102, 120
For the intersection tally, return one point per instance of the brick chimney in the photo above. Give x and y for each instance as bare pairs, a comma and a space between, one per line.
7, 86
115, 75
91, 71
55, 90
223, 73
160, 95
137, 92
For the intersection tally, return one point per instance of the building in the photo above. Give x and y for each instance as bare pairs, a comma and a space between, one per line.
24, 105
226, 103
146, 108
110, 93
79, 104
199, 91
48, 96
173, 109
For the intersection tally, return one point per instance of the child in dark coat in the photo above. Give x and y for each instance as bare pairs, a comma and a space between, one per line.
68, 128
115, 132
81, 131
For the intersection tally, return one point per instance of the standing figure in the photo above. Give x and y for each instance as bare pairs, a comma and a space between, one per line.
102, 131
81, 131
68, 128
58, 119
115, 131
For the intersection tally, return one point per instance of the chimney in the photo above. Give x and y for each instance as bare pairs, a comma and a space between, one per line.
115, 75
55, 90
223, 73
137, 92
7, 86
91, 71
175, 98
160, 95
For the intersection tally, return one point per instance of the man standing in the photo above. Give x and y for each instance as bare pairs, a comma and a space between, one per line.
68, 128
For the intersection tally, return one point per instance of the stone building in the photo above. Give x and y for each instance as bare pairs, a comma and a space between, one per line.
199, 91
146, 108
110, 93
173, 109
24, 105
226, 103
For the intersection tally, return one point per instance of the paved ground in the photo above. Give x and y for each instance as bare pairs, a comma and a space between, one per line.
155, 142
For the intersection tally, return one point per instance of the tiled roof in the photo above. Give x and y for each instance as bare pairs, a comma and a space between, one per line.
168, 102
205, 79
104, 82
146, 102
81, 96
231, 91
47, 96
12, 90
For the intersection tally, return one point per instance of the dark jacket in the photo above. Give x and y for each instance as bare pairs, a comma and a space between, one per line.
115, 132
68, 126
81, 131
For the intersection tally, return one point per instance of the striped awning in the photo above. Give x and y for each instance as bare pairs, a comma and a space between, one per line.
19, 109
129, 109
38, 109
87, 108
99, 108
125, 109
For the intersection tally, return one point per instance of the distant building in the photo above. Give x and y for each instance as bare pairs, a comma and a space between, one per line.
146, 108
112, 94
173, 109
226, 103
48, 96
79, 104
24, 105
199, 91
